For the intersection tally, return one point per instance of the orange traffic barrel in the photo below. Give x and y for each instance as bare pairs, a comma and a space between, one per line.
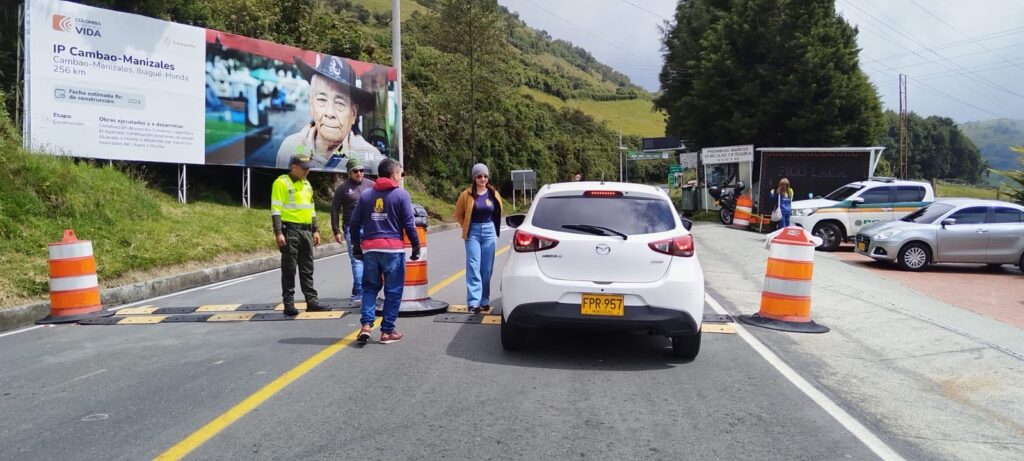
741, 215
416, 298
74, 287
786, 296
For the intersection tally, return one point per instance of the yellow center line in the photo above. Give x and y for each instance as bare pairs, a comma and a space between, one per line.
459, 274
205, 433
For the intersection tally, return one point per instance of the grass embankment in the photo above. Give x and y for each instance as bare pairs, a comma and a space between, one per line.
635, 116
132, 227
944, 189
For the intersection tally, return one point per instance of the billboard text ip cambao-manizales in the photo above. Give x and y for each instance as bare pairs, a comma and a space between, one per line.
109, 85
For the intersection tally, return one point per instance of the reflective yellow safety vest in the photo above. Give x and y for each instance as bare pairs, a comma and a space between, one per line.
292, 200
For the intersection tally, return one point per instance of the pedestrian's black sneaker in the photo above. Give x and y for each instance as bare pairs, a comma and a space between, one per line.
474, 309
364, 334
318, 308
290, 310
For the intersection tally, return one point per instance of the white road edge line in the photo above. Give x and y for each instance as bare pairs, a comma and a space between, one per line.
231, 282
851, 424
203, 287
9, 333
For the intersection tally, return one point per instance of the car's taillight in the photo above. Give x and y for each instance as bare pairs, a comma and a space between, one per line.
602, 193
679, 246
525, 242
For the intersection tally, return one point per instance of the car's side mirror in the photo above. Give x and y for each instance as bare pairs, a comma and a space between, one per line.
686, 223
515, 220
948, 222
857, 201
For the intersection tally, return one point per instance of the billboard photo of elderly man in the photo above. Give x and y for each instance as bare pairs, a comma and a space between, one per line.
335, 103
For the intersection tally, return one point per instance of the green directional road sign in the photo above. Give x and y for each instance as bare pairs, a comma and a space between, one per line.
634, 155
675, 168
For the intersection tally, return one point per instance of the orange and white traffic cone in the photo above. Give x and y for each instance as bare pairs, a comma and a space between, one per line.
786, 297
741, 215
74, 287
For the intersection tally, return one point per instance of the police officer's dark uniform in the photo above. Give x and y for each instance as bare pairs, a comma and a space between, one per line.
294, 217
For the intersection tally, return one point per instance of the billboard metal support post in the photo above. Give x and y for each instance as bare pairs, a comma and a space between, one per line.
396, 61
182, 182
17, 61
246, 189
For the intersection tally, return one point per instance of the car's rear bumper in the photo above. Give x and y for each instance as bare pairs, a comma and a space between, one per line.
664, 321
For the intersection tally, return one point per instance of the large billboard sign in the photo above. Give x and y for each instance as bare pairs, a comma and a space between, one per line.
109, 85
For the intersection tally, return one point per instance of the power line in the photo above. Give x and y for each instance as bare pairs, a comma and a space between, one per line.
935, 90
965, 35
901, 33
992, 36
645, 9
628, 53
965, 55
995, 98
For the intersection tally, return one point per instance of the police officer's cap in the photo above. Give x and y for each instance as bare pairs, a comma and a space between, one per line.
302, 160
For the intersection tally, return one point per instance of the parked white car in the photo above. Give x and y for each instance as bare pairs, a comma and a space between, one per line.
838, 216
598, 255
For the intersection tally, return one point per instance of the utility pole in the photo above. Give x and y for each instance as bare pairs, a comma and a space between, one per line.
904, 141
396, 61
622, 150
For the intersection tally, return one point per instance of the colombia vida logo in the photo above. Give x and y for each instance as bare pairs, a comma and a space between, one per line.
78, 26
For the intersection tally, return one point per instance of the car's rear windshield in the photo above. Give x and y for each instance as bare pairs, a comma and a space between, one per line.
843, 193
628, 215
928, 214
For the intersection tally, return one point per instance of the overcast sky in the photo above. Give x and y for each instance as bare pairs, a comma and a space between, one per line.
963, 59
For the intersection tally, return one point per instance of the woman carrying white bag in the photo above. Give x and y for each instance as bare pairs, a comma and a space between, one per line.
784, 203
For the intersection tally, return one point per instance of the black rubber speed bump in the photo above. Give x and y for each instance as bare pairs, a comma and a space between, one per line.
210, 317
469, 318
100, 321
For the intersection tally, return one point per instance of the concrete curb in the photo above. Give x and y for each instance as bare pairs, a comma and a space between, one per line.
24, 315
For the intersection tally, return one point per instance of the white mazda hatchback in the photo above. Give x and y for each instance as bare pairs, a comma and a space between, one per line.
603, 256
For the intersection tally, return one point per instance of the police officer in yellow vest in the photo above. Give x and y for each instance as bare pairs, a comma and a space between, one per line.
294, 220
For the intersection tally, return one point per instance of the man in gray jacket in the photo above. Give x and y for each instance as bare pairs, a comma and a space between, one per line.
345, 199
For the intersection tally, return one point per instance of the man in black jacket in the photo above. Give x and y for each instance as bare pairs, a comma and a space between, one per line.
345, 199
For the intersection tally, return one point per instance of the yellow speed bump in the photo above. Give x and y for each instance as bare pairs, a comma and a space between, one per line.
141, 310
726, 328
142, 320
280, 307
319, 315
218, 307
491, 320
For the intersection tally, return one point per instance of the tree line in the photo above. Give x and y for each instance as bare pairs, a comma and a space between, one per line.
786, 73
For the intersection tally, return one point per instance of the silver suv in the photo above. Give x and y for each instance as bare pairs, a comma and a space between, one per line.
955, 230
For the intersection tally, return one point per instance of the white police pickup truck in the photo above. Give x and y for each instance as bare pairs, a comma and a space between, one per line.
839, 215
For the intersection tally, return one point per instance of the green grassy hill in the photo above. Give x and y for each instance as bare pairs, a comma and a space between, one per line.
563, 75
994, 138
634, 116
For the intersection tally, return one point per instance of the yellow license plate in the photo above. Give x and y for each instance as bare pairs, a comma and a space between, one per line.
610, 305
862, 246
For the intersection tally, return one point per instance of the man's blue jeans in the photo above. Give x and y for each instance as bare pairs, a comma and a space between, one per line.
357, 268
388, 268
480, 245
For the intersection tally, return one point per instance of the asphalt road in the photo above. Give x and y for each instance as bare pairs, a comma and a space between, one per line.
448, 391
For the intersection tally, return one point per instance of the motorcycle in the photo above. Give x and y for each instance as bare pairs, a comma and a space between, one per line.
726, 200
